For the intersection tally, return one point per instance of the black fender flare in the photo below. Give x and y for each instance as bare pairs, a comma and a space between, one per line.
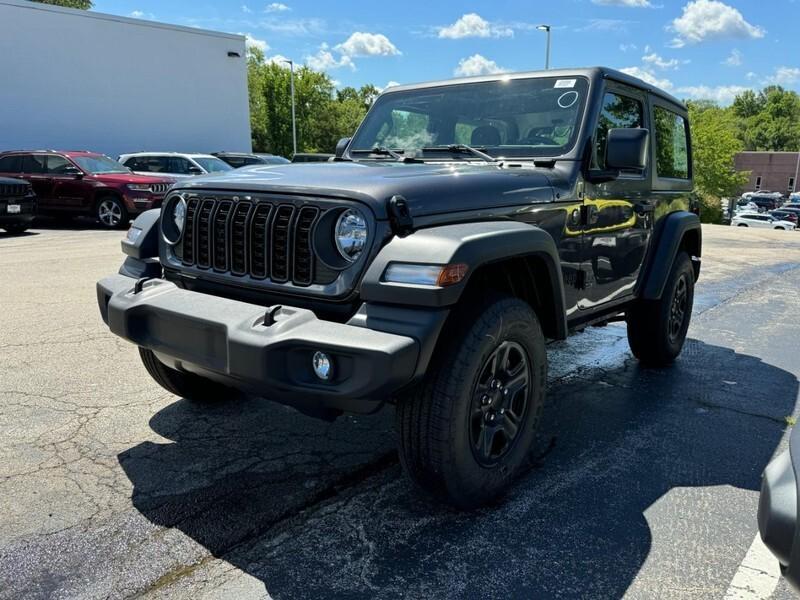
475, 244
668, 239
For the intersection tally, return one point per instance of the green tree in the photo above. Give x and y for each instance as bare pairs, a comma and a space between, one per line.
714, 145
324, 115
81, 4
769, 120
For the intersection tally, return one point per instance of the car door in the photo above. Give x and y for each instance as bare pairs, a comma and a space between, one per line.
618, 214
69, 189
34, 170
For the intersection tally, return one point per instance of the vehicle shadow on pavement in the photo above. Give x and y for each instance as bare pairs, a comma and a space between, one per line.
318, 510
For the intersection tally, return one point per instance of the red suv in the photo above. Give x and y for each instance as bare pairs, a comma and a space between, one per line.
85, 183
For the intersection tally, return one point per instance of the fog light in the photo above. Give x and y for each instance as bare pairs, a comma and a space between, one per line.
323, 365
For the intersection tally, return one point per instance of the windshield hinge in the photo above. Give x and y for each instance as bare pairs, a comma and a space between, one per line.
400, 216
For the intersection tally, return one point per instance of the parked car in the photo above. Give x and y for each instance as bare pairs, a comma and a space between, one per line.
302, 157
173, 164
17, 204
785, 215
242, 159
85, 183
429, 265
763, 221
766, 202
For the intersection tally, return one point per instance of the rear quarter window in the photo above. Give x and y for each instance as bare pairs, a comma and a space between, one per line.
672, 144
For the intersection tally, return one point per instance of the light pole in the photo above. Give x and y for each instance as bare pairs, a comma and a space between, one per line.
546, 28
294, 121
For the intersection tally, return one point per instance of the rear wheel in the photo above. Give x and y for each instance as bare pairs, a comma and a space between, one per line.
467, 431
111, 212
657, 328
185, 385
781, 228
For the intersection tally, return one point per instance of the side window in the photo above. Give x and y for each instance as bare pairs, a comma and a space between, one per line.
618, 112
178, 164
11, 164
672, 154
57, 165
33, 163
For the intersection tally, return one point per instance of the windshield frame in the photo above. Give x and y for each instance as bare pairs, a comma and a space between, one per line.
572, 151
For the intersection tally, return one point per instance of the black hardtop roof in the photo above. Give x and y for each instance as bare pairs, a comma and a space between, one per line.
591, 73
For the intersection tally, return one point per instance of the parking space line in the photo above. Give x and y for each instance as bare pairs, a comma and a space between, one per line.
757, 576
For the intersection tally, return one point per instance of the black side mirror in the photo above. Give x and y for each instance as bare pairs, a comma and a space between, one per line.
341, 146
626, 149
195, 171
74, 171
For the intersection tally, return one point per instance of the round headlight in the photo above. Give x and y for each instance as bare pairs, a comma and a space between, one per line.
173, 219
351, 234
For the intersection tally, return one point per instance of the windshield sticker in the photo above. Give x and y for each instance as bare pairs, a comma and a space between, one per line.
567, 99
565, 83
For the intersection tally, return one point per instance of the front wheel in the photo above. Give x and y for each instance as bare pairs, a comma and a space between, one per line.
742, 224
467, 431
185, 385
657, 328
111, 212
16, 228
781, 228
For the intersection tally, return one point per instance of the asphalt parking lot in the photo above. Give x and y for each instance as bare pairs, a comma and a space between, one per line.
646, 487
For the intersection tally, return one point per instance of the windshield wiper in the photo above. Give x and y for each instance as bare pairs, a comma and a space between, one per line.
380, 150
462, 149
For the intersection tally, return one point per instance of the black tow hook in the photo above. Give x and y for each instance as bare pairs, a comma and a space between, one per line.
269, 316
137, 287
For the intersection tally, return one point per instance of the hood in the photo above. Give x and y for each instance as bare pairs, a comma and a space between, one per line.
129, 178
428, 188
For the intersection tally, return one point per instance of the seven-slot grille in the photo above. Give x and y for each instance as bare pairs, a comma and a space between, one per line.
259, 239
14, 190
159, 188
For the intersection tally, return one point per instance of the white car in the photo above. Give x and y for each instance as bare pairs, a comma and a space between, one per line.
173, 164
764, 221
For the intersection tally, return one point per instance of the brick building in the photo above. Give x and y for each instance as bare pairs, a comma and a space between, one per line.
770, 171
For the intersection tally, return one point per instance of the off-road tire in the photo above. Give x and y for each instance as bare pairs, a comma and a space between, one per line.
186, 385
433, 421
652, 333
15, 229
111, 213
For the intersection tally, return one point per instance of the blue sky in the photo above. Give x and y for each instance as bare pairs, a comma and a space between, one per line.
698, 48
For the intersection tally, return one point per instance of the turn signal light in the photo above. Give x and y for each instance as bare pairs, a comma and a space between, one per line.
432, 275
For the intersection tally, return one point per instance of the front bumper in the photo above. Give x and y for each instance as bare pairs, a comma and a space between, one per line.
227, 340
27, 210
777, 510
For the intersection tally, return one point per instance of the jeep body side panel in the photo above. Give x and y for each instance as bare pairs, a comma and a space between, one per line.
475, 244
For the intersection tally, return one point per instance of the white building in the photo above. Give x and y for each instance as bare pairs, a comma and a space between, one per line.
78, 80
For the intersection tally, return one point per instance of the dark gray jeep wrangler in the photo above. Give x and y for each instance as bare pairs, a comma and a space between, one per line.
464, 224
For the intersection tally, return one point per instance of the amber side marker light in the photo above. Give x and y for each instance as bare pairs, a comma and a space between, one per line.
432, 275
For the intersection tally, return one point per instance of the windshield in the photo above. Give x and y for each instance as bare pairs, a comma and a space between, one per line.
99, 164
212, 164
505, 118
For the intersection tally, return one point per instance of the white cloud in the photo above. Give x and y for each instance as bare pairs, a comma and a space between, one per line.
388, 85
254, 43
723, 94
139, 14
734, 59
324, 60
625, 3
277, 59
655, 60
710, 19
607, 25
648, 76
298, 27
473, 25
477, 65
277, 7
785, 76
246, 9
626, 47
751, 75
367, 44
